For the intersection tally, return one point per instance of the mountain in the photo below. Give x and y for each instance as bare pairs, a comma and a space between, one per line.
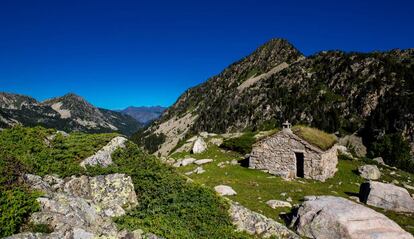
144, 114
69, 112
371, 94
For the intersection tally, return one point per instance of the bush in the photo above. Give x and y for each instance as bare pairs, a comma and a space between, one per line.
15, 206
169, 205
395, 151
242, 144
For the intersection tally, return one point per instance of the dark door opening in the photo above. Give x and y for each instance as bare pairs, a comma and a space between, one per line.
300, 164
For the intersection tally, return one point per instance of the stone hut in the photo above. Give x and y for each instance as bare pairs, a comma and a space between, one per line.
289, 156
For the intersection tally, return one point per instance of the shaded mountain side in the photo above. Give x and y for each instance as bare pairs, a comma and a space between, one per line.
68, 113
144, 114
368, 93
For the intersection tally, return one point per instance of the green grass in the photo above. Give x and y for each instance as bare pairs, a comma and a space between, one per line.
315, 137
242, 144
254, 187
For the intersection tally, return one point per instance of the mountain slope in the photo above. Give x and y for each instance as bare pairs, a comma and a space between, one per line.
69, 112
143, 114
369, 93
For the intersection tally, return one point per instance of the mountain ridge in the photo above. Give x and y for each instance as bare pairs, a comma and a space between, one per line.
144, 114
346, 92
70, 112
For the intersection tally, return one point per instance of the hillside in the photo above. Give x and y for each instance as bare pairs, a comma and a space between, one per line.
69, 113
371, 94
136, 197
144, 114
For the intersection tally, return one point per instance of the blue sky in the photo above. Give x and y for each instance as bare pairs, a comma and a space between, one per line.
121, 53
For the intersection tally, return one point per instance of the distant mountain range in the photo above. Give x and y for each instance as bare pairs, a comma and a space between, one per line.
69, 113
144, 114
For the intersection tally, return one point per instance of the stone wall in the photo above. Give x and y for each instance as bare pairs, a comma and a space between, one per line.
276, 155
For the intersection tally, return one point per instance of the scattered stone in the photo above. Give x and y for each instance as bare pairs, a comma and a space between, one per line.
277, 203
309, 198
216, 141
221, 165
336, 217
289, 199
386, 196
283, 194
370, 172
203, 161
199, 146
234, 162
392, 172
395, 182
379, 160
184, 162
198, 170
256, 224
103, 156
224, 190
408, 186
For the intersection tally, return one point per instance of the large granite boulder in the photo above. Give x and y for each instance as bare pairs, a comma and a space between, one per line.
81, 207
387, 196
370, 172
336, 217
103, 156
354, 144
256, 224
199, 146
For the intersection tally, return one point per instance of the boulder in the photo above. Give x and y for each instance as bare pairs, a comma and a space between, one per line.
277, 203
103, 156
386, 196
199, 146
203, 161
354, 144
256, 224
370, 172
81, 207
336, 217
216, 141
224, 190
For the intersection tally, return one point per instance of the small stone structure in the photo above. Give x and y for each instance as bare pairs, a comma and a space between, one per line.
289, 156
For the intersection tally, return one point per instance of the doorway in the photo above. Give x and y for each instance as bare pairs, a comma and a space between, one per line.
300, 164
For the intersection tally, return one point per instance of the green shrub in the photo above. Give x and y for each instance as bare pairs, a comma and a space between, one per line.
15, 206
242, 144
169, 206
395, 151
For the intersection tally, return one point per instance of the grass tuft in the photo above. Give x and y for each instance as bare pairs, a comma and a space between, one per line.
315, 137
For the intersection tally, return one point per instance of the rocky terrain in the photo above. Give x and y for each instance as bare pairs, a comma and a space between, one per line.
143, 114
69, 113
370, 94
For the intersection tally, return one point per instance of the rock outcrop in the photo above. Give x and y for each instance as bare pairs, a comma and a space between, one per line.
370, 172
81, 207
387, 196
354, 144
256, 224
336, 217
103, 156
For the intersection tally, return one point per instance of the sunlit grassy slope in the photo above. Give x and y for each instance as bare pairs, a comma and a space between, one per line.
254, 187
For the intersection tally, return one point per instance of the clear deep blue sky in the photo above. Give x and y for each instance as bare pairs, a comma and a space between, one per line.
121, 53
